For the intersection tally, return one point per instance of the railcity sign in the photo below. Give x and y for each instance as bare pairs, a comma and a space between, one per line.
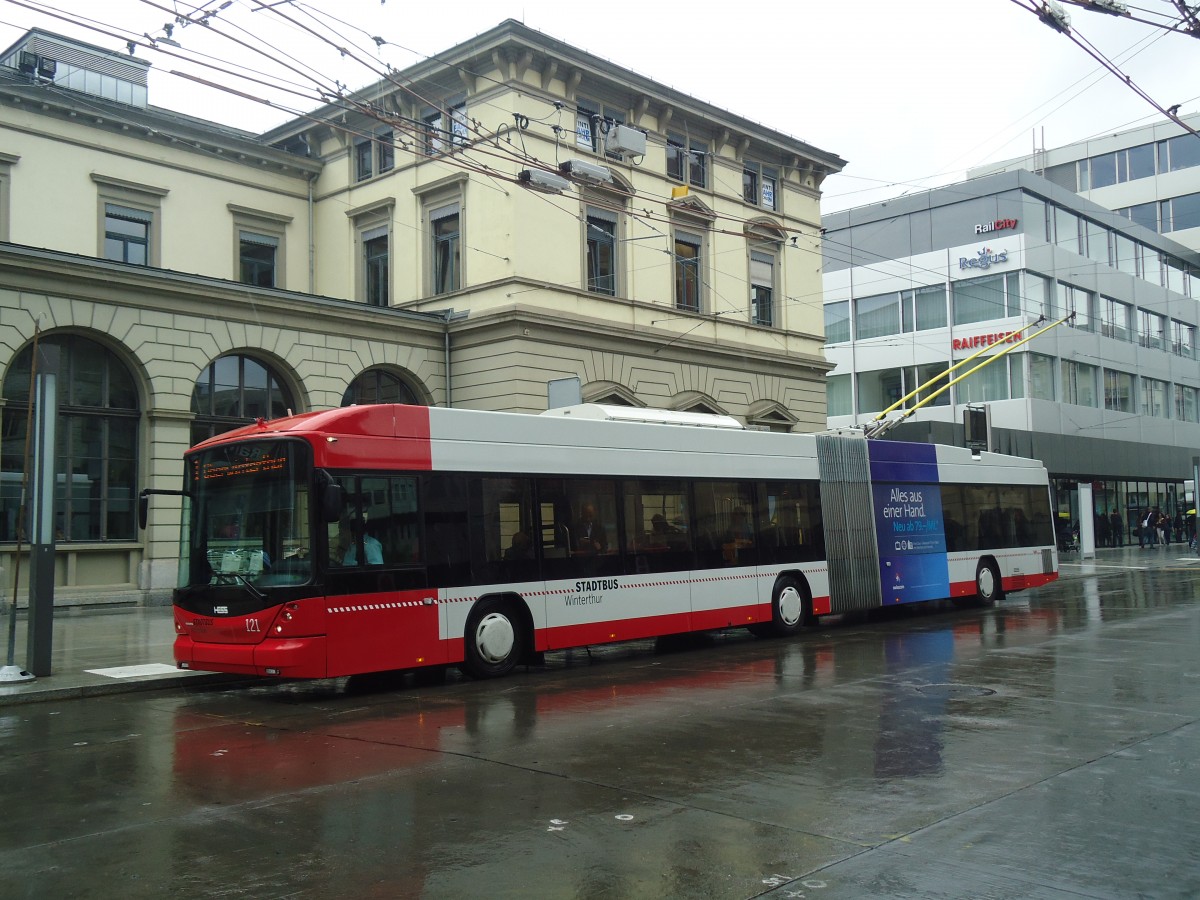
996, 225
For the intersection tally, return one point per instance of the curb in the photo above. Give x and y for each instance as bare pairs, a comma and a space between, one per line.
35, 693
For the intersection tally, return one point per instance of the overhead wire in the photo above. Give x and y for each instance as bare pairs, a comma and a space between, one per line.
484, 170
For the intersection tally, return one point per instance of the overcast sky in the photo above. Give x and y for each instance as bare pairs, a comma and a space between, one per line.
909, 92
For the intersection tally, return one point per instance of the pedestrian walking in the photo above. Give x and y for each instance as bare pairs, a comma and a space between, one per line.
1118, 532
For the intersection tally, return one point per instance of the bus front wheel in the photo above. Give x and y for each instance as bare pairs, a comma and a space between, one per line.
790, 609
988, 587
493, 640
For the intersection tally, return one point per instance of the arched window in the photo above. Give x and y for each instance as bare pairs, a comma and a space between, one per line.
379, 386
96, 441
233, 391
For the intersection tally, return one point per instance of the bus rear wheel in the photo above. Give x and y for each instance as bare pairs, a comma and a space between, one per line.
989, 588
494, 640
791, 608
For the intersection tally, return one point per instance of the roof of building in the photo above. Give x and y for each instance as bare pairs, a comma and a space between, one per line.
480, 52
1001, 182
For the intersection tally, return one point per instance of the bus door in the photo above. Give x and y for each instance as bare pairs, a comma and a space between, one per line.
376, 579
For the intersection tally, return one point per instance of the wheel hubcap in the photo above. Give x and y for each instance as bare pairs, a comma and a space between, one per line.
987, 583
790, 605
495, 637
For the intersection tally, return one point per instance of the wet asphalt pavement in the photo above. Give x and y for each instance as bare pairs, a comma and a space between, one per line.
1046, 747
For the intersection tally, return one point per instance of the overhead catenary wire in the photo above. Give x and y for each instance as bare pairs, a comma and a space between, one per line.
1046, 13
462, 161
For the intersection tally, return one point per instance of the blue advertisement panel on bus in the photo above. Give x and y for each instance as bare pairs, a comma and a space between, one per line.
908, 522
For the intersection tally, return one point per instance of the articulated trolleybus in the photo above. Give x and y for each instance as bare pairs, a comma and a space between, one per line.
386, 537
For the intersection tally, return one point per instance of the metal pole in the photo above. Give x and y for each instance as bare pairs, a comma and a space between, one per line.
13, 672
40, 631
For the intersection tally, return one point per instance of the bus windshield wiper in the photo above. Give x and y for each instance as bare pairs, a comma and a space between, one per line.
249, 585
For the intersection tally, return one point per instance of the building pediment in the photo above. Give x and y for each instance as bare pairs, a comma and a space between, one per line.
692, 207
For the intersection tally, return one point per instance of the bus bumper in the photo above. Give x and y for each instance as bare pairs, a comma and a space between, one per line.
279, 658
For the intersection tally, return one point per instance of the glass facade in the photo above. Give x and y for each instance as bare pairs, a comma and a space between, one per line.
1115, 371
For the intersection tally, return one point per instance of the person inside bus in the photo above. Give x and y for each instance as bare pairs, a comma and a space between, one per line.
739, 536
589, 536
345, 551
740, 530
520, 548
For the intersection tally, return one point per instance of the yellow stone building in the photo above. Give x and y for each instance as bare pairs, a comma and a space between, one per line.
512, 213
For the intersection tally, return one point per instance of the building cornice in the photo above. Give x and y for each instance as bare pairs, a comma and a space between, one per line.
513, 49
47, 272
661, 344
152, 125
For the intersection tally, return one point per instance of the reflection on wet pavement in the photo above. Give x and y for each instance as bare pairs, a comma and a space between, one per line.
1040, 748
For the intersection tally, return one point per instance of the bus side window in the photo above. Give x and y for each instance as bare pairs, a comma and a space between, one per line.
390, 517
502, 530
792, 529
339, 533
953, 517
658, 530
726, 524
579, 528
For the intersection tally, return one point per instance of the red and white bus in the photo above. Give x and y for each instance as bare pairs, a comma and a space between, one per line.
390, 537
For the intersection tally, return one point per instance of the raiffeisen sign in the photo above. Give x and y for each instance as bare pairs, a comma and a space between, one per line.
986, 340
997, 225
984, 260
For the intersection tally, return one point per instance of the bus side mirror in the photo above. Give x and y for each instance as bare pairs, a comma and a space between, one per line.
332, 501
143, 509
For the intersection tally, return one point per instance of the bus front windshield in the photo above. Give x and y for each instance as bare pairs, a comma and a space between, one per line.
247, 522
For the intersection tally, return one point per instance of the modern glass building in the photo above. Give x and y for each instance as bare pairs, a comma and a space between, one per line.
1150, 175
1109, 399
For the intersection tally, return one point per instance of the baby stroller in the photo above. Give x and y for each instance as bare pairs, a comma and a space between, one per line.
1068, 537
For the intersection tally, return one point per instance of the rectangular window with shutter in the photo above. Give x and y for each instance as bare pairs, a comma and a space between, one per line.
257, 254
762, 288
447, 250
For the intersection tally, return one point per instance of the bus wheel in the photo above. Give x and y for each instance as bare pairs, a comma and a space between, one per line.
492, 643
790, 607
988, 587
